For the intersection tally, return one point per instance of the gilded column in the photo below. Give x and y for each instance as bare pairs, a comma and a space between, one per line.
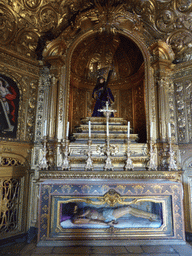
162, 84
53, 104
162, 65
56, 108
61, 112
42, 114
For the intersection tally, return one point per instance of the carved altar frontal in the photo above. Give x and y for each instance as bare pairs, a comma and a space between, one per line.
73, 208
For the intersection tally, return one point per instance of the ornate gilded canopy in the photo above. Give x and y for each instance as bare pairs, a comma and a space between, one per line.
28, 26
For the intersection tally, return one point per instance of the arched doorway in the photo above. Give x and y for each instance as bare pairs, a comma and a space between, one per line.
95, 56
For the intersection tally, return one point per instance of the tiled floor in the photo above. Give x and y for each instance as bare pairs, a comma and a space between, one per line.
23, 249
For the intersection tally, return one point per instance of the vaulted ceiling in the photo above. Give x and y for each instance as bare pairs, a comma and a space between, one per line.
27, 26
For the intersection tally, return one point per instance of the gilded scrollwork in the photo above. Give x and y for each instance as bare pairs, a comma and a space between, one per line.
189, 107
181, 43
71, 18
183, 101
181, 117
32, 4
18, 65
165, 21
8, 25
27, 43
184, 5
114, 15
48, 18
146, 9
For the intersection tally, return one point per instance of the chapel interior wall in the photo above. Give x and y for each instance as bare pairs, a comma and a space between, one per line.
183, 105
16, 147
26, 74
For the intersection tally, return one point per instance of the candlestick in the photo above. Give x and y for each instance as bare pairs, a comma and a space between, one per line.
89, 129
45, 128
65, 164
60, 133
151, 130
128, 129
129, 162
43, 162
172, 162
107, 128
152, 165
89, 163
67, 131
169, 130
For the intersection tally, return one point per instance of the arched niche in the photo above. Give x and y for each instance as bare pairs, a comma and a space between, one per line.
69, 80
95, 56
143, 84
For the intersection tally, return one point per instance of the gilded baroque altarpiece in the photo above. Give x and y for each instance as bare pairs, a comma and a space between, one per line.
46, 48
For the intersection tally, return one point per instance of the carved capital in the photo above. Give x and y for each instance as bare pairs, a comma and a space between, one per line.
164, 82
162, 52
55, 61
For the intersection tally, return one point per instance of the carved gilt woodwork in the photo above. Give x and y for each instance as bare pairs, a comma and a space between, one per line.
148, 45
24, 21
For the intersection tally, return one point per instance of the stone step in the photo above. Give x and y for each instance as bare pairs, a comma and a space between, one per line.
78, 149
102, 120
102, 137
102, 128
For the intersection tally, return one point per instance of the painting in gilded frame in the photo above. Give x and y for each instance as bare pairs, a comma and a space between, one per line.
9, 104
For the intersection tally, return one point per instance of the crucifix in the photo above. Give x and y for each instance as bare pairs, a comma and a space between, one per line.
107, 110
108, 164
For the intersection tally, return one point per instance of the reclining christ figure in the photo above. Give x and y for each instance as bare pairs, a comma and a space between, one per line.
102, 216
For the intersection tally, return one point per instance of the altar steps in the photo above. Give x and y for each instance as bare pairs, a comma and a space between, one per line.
117, 131
102, 120
118, 141
102, 128
101, 137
